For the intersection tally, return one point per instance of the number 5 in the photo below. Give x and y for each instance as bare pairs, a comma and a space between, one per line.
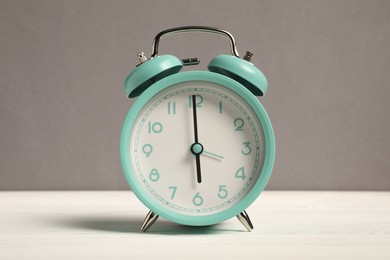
222, 192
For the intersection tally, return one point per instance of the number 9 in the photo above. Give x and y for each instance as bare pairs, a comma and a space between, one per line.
147, 149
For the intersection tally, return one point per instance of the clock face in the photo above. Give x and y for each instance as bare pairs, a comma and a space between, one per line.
196, 148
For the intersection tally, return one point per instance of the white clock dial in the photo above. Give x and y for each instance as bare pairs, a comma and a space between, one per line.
230, 147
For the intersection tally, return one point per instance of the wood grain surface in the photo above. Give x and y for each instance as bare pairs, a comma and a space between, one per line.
105, 225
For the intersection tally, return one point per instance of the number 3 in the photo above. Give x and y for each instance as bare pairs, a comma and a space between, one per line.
247, 149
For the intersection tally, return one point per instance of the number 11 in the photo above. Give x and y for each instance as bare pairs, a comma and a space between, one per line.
172, 108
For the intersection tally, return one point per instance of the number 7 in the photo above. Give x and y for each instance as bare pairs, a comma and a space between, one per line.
173, 188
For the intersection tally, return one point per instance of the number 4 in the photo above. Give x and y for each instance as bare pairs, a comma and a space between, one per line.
240, 173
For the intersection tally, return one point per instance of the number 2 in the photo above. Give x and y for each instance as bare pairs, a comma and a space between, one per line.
239, 124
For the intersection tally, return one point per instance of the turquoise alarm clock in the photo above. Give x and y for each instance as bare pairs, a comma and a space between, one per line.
197, 147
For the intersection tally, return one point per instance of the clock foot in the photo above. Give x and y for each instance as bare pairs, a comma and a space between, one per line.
243, 217
150, 218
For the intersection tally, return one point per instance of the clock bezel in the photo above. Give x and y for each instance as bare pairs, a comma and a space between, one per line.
215, 78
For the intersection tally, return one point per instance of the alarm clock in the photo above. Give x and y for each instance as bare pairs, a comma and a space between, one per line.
196, 147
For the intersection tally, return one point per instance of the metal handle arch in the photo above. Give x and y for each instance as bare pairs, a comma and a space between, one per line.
187, 29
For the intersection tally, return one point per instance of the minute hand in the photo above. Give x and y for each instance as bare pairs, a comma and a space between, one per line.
196, 153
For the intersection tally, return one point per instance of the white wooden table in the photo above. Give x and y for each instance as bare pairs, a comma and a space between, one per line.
105, 225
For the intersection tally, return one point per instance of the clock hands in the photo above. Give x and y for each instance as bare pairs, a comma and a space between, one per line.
196, 148
195, 118
212, 155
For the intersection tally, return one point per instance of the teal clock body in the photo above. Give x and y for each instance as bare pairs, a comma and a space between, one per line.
197, 147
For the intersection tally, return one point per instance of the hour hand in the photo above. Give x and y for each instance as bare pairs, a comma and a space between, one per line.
213, 155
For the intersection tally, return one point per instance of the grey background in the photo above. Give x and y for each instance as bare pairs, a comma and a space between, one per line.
62, 66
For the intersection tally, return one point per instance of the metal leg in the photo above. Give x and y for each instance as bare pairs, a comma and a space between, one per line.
150, 218
245, 220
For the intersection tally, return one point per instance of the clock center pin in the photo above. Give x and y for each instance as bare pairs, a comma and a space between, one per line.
196, 148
